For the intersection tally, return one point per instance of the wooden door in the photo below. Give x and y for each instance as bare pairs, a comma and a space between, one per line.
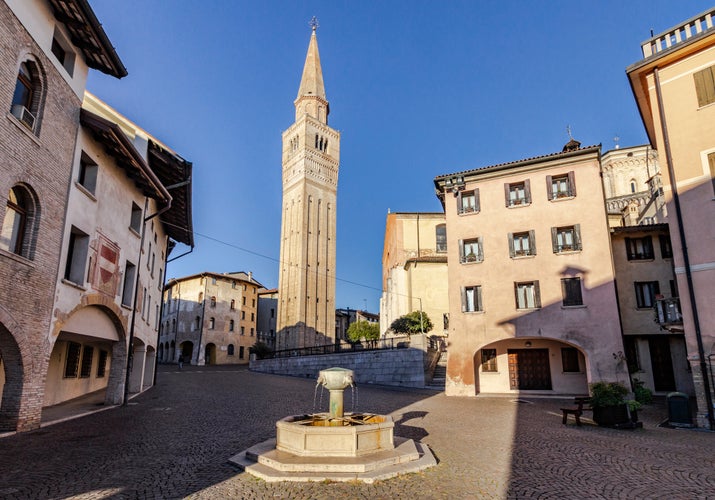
529, 369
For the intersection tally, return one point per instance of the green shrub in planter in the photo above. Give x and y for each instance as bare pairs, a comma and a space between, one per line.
643, 394
605, 394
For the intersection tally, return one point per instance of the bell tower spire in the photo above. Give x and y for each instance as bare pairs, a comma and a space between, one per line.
311, 161
311, 98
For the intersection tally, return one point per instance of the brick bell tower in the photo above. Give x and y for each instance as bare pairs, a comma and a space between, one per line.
311, 159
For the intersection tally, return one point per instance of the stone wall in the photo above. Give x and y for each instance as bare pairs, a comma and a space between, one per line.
399, 367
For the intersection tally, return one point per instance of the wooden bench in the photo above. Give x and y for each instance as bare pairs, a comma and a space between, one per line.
580, 402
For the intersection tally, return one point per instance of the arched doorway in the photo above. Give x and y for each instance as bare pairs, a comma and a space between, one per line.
210, 354
11, 380
83, 355
186, 348
532, 365
172, 351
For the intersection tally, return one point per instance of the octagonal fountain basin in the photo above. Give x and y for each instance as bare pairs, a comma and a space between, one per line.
318, 435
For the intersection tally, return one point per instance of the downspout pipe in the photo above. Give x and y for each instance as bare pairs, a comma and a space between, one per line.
684, 249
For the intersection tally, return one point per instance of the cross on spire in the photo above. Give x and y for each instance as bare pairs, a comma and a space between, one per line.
314, 23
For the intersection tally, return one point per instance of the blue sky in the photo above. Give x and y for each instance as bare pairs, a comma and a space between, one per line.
417, 89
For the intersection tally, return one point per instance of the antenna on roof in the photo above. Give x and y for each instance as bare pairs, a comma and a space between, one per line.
568, 131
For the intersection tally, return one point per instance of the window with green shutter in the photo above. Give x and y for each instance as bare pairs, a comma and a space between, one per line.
705, 86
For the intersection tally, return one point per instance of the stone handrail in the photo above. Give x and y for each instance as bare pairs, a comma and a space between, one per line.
693, 26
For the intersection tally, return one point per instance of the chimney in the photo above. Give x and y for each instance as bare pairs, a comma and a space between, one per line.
250, 275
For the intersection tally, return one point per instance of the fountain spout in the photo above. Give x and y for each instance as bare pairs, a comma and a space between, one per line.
336, 380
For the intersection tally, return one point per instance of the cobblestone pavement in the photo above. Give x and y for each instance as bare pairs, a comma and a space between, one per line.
174, 441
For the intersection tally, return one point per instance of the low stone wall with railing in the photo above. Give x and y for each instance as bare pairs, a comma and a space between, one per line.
398, 367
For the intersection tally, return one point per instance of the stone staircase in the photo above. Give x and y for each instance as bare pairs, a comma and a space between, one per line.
439, 375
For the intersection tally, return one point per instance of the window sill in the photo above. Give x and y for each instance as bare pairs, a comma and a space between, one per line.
474, 312
73, 284
23, 128
517, 257
649, 259
490, 373
567, 252
520, 205
471, 212
528, 308
17, 258
562, 198
134, 232
125, 306
86, 191
467, 262
582, 306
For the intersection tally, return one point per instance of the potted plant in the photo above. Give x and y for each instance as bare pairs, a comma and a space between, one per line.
608, 400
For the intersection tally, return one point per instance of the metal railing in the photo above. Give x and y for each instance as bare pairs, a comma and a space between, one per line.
668, 311
368, 345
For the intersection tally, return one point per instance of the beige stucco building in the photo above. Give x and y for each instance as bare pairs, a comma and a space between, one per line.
414, 269
209, 319
311, 159
532, 298
674, 88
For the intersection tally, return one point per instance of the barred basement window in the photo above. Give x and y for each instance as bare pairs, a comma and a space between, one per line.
87, 355
72, 360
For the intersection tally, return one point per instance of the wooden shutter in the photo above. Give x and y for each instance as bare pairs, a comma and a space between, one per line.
577, 236
554, 240
477, 207
510, 237
705, 86
463, 296
537, 294
480, 256
532, 243
549, 187
506, 194
461, 250
460, 208
527, 191
572, 183
516, 294
478, 297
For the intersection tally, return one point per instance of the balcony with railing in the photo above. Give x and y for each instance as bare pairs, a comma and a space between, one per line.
667, 312
679, 34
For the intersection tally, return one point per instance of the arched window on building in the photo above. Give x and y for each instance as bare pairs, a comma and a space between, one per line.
19, 227
633, 185
212, 323
230, 349
27, 97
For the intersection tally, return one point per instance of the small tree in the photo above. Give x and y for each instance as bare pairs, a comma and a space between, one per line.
261, 350
410, 323
363, 330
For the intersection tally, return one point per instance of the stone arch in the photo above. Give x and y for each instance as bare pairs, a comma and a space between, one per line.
118, 349
497, 377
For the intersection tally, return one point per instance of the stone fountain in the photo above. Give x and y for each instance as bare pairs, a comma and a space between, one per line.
334, 445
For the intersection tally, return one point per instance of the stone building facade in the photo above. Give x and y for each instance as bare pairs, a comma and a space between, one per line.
633, 186
311, 159
674, 88
209, 319
532, 298
414, 269
47, 50
266, 316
